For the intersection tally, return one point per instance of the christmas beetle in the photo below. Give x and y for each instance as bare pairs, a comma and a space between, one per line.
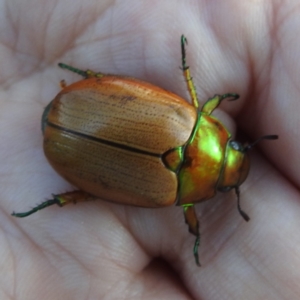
127, 141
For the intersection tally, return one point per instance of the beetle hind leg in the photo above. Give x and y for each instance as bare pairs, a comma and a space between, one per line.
60, 199
192, 221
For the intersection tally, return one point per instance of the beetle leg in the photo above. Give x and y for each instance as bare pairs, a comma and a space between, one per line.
85, 74
192, 221
212, 103
60, 199
242, 213
187, 74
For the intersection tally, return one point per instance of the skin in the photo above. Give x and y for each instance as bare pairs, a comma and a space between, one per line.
101, 250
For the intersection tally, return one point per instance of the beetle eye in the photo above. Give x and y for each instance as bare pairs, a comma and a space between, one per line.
236, 146
225, 189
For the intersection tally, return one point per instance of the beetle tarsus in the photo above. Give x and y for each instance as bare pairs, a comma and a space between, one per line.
187, 74
59, 199
37, 208
195, 250
183, 42
192, 221
242, 213
85, 74
232, 96
72, 69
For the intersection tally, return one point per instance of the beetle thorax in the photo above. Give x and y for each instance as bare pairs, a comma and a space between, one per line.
236, 167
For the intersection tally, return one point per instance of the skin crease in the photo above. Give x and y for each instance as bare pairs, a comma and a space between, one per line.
101, 250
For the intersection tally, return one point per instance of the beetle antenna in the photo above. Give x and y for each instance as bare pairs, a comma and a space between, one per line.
264, 137
242, 213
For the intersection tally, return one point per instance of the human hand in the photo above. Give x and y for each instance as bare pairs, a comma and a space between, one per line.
100, 250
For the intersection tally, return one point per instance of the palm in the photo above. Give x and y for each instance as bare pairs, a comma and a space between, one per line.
101, 250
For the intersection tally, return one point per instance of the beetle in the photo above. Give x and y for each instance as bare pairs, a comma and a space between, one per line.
127, 141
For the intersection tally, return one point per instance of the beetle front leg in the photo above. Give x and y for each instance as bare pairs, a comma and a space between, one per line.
192, 221
60, 199
212, 103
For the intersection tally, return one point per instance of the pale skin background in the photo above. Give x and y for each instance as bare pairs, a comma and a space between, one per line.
100, 250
